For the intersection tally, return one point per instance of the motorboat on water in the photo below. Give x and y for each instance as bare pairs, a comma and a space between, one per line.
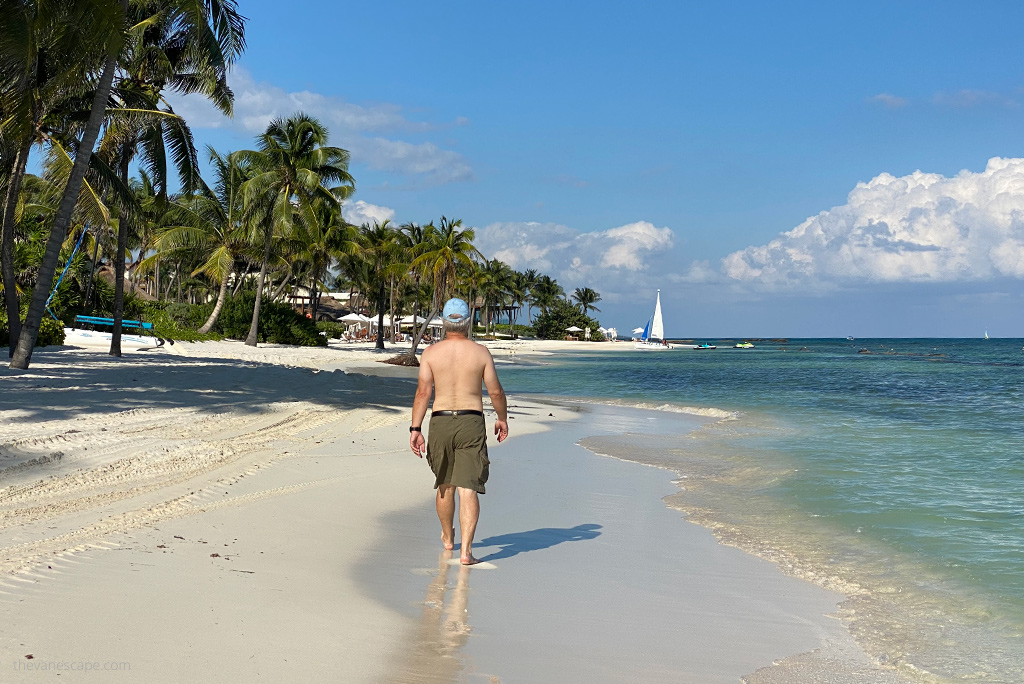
706, 346
744, 345
653, 336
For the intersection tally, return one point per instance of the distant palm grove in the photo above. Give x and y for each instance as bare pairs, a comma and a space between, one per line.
101, 231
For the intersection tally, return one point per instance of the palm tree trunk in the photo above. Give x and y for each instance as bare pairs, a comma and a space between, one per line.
221, 296
7, 244
121, 255
170, 281
382, 298
92, 271
30, 329
122, 245
421, 331
314, 301
156, 280
250, 341
280, 288
238, 285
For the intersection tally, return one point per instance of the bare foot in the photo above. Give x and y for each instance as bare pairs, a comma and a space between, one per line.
448, 546
470, 560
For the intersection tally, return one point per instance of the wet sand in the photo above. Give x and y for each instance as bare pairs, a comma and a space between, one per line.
234, 516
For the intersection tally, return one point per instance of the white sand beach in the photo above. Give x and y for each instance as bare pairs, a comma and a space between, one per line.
216, 513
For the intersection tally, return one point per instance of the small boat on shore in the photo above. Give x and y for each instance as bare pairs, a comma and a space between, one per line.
92, 338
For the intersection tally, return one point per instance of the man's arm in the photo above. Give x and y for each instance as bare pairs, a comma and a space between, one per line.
424, 388
497, 396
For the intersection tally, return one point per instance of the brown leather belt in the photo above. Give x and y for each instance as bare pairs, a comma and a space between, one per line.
460, 412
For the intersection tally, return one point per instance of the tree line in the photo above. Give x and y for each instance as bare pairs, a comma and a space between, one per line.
84, 84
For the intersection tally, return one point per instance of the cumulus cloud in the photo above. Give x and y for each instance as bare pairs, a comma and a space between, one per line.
889, 101
920, 228
602, 259
360, 212
358, 128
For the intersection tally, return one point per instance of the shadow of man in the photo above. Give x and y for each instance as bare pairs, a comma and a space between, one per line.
535, 540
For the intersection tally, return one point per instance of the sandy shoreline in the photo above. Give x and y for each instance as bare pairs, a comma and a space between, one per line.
218, 513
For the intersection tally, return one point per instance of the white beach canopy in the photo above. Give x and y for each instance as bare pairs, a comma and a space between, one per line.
412, 320
353, 318
573, 328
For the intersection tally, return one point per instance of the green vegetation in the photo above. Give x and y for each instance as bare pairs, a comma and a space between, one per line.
552, 323
51, 333
84, 85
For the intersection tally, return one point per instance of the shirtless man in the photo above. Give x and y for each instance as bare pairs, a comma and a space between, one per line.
457, 452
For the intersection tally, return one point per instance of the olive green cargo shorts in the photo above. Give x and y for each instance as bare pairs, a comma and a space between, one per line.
457, 451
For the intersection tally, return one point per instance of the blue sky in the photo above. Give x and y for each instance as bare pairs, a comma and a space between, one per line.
635, 146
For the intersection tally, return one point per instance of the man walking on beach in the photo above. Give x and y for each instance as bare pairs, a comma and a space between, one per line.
454, 370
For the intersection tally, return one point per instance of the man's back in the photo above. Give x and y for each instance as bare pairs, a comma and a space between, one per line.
458, 366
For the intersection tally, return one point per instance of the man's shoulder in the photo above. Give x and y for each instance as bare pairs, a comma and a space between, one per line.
463, 343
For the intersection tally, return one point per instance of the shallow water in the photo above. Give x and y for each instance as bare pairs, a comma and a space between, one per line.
894, 476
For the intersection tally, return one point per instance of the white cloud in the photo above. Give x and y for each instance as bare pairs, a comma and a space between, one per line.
890, 101
357, 128
604, 259
921, 228
360, 212
962, 99
631, 242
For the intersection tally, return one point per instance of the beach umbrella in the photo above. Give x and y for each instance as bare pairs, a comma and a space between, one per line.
352, 318
602, 330
573, 328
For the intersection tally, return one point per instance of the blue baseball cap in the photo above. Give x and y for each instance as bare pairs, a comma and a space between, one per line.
455, 310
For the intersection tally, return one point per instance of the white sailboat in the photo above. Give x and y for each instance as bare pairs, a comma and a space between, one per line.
653, 337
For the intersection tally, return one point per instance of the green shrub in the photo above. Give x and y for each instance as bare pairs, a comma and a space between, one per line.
551, 324
278, 322
335, 331
51, 333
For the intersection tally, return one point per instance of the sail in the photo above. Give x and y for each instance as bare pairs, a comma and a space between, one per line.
657, 327
647, 332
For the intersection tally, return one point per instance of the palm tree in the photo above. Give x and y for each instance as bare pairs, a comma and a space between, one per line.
161, 55
321, 236
544, 292
112, 39
530, 277
210, 224
414, 239
517, 287
447, 248
212, 28
75, 36
293, 166
585, 298
494, 289
380, 246
473, 279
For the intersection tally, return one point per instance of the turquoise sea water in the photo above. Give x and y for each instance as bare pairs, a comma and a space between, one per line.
896, 476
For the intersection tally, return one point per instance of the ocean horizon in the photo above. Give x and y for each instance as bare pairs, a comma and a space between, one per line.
888, 469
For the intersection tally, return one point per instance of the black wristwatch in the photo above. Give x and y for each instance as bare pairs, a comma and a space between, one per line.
415, 429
